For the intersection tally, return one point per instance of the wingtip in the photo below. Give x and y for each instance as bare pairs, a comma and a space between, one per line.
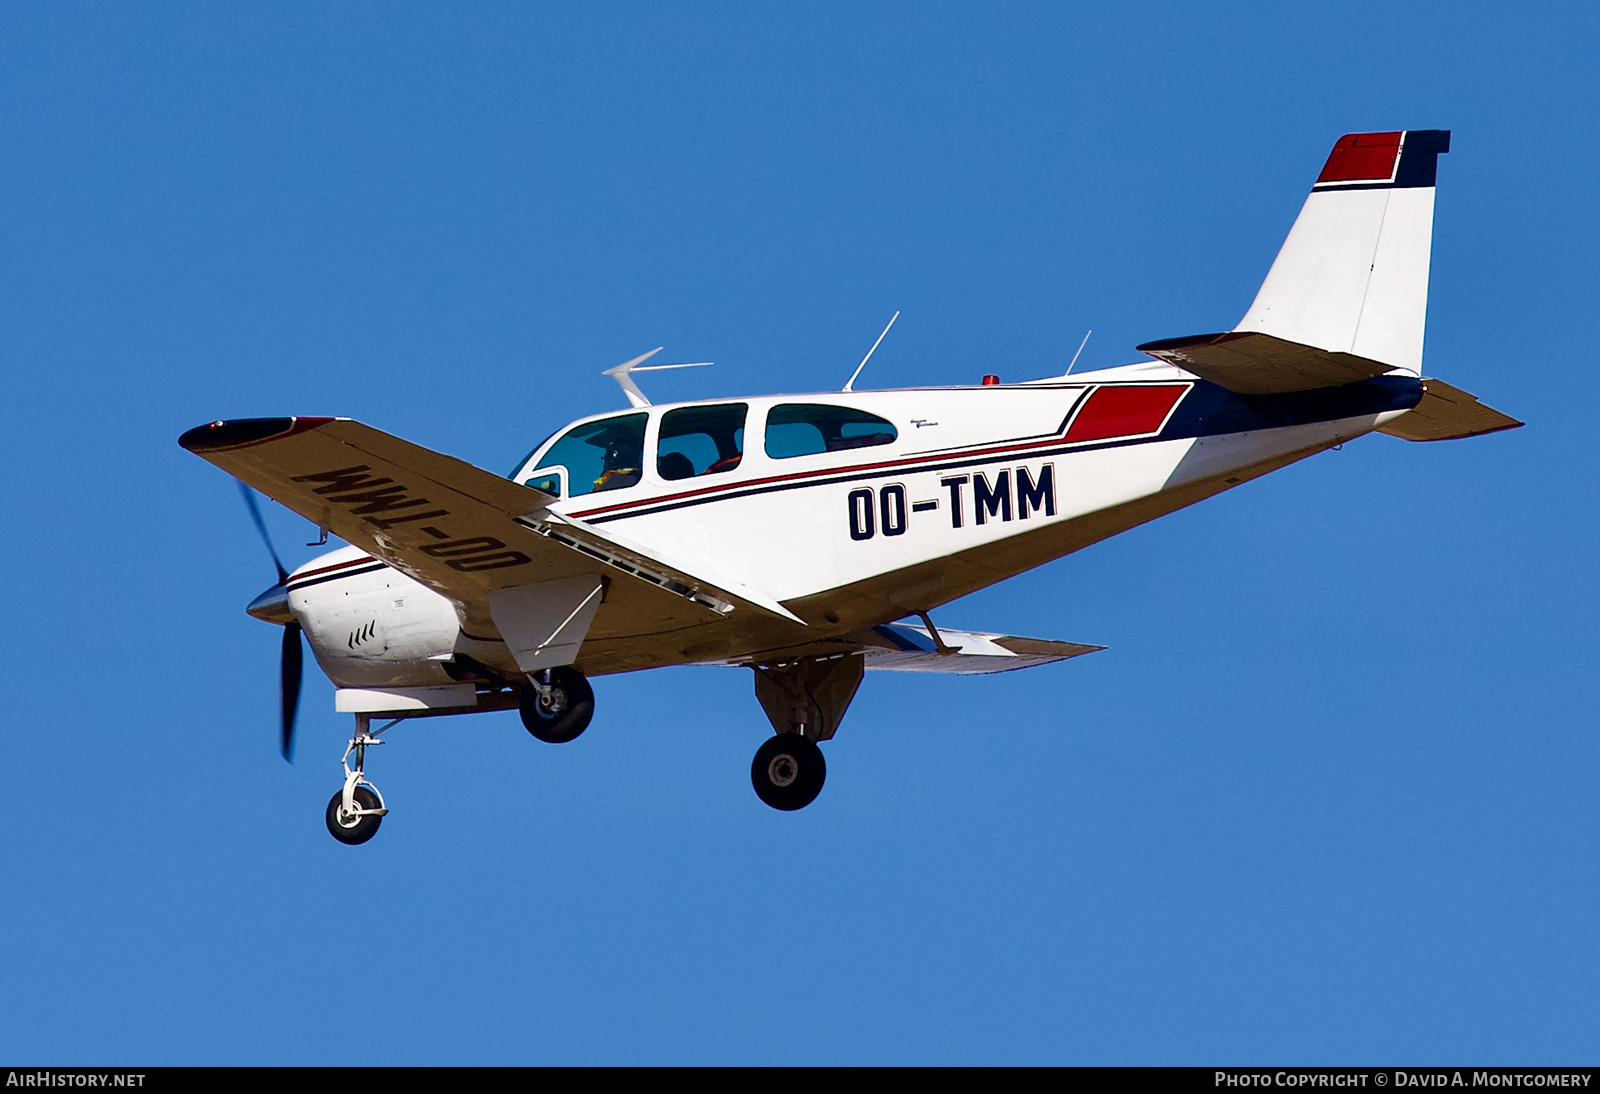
221, 435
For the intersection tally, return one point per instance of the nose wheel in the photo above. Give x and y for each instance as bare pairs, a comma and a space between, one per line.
358, 822
357, 809
788, 771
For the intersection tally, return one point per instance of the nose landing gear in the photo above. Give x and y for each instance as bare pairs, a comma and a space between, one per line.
357, 809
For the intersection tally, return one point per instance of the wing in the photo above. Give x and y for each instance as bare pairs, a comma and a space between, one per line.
469, 533
901, 647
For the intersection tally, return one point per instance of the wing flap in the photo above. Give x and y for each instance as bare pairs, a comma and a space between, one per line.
624, 554
1260, 364
1446, 413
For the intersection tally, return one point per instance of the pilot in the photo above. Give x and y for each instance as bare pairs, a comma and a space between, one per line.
620, 467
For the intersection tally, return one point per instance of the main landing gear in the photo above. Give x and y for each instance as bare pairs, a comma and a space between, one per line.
557, 704
805, 701
788, 771
356, 810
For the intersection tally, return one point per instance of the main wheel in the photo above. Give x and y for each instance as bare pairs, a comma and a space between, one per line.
788, 771
561, 712
356, 829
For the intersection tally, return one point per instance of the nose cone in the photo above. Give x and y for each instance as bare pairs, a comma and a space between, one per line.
272, 606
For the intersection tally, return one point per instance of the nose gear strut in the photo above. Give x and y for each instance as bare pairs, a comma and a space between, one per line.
357, 809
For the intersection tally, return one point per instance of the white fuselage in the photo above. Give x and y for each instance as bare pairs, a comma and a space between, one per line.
965, 468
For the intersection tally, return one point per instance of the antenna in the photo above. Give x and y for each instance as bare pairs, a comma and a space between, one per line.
849, 385
622, 375
1075, 356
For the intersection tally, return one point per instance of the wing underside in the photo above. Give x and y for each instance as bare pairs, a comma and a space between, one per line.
907, 647
468, 533
904, 647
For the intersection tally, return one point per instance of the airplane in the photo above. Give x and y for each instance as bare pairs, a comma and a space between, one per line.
796, 535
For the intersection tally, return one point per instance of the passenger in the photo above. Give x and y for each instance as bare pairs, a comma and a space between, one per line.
624, 456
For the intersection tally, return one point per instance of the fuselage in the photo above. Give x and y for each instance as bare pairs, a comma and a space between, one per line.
820, 501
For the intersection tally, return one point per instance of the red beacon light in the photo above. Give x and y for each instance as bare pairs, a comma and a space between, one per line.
990, 379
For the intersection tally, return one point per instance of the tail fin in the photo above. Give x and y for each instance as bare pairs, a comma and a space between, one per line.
1353, 275
1347, 296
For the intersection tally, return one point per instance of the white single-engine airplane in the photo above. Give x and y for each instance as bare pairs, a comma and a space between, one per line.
790, 534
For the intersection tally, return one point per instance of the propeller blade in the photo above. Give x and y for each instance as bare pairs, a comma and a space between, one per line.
289, 686
261, 526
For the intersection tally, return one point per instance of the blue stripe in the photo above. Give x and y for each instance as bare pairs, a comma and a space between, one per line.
1211, 411
908, 641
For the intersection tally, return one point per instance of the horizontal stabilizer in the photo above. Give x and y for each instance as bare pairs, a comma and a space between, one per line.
1447, 413
1262, 364
902, 647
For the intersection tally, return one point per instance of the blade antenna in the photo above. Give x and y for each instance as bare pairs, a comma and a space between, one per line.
850, 384
1075, 356
622, 375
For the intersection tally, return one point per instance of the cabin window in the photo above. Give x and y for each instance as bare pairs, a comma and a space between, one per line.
804, 429
700, 440
603, 455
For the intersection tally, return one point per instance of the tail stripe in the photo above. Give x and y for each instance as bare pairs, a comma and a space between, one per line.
1363, 157
1374, 161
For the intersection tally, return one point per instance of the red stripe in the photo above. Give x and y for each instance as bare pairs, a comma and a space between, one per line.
1124, 412
1362, 157
335, 566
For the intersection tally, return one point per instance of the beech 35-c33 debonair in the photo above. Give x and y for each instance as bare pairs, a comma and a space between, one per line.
796, 535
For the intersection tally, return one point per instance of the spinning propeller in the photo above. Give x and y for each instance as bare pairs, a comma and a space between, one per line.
273, 607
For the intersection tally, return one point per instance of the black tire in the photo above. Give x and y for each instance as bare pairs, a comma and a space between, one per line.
788, 771
354, 829
567, 711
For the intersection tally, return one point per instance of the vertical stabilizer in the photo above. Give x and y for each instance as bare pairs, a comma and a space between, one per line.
1353, 275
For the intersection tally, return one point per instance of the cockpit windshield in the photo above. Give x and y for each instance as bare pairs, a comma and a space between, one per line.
603, 455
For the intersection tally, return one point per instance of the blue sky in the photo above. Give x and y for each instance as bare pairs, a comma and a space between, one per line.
1328, 797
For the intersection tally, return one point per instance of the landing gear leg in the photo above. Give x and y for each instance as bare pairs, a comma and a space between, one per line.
356, 810
804, 701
